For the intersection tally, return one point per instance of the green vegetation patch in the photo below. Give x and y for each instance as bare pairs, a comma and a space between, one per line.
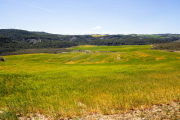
98, 35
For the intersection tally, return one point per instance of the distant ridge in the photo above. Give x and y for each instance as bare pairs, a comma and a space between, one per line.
15, 39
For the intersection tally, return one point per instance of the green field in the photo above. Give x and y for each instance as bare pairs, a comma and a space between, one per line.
110, 79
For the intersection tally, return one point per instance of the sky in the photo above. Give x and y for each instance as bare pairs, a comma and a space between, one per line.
78, 17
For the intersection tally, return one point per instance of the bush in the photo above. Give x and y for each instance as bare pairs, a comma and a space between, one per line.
2, 59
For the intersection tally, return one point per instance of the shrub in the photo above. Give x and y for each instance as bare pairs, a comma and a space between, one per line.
2, 59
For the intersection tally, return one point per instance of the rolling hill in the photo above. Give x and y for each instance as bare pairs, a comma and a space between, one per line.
14, 39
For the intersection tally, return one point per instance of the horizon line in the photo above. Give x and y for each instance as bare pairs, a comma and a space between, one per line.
87, 34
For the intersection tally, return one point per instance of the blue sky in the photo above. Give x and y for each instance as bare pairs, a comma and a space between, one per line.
92, 16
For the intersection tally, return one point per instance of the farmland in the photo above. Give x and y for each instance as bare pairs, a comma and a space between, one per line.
106, 80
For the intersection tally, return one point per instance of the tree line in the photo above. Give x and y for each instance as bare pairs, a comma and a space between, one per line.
13, 39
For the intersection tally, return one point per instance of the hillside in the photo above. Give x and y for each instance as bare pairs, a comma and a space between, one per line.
21, 39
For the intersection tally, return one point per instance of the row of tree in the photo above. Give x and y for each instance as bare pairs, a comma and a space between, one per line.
8, 45
13, 39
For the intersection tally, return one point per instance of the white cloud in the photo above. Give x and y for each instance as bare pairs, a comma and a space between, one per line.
87, 32
93, 32
107, 32
40, 8
13, 1
31, 5
134, 32
97, 27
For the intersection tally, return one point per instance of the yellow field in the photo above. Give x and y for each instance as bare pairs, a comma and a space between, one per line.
98, 35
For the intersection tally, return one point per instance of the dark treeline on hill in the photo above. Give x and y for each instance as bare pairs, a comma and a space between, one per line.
13, 39
9, 45
129, 41
173, 46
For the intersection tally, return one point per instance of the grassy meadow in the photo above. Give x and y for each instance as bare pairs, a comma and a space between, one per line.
110, 79
98, 35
